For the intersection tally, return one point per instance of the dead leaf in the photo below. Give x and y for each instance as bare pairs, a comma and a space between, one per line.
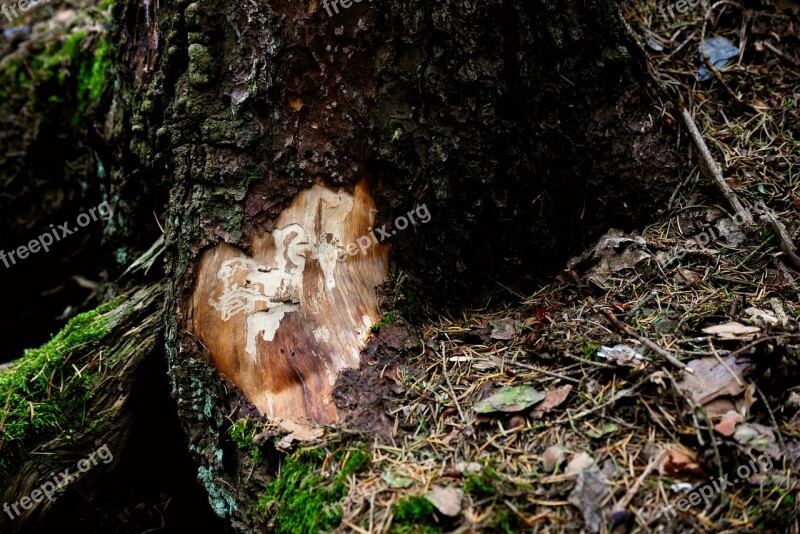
679, 459
720, 406
713, 379
787, 5
578, 463
504, 329
553, 399
588, 495
744, 402
393, 480
759, 437
733, 331
623, 355
728, 423
300, 430
686, 276
509, 399
762, 317
613, 252
484, 365
446, 500
449, 437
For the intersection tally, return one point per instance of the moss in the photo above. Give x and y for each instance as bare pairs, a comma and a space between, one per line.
70, 74
506, 522
387, 320
47, 389
479, 485
355, 462
201, 64
405, 297
589, 350
414, 514
770, 508
92, 76
243, 433
217, 131
305, 499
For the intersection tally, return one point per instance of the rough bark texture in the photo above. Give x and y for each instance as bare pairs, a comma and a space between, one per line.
524, 127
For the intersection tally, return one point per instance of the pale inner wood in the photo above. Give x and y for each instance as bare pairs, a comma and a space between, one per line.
282, 323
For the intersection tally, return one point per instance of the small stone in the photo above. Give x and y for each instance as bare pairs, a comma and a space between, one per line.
446, 500
515, 422
579, 463
552, 457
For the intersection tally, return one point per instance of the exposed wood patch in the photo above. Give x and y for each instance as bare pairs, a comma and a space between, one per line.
282, 323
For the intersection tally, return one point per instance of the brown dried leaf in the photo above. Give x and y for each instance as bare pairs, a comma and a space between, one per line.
713, 379
299, 430
728, 423
504, 329
613, 252
720, 406
553, 399
732, 330
679, 459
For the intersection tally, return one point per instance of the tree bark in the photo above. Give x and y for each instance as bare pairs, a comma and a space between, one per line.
280, 134
523, 126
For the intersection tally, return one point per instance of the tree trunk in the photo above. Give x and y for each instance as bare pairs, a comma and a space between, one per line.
110, 347
281, 135
523, 127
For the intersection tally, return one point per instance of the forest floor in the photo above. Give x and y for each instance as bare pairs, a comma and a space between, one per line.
654, 386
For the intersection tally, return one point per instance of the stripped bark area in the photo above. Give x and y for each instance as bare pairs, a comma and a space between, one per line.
281, 323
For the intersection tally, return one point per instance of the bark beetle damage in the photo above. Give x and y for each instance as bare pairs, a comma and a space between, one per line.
282, 323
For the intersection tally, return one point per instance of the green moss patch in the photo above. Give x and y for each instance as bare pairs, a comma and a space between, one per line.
304, 498
414, 514
387, 320
48, 388
243, 434
64, 79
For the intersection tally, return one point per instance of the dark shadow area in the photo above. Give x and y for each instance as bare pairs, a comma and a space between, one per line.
154, 488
